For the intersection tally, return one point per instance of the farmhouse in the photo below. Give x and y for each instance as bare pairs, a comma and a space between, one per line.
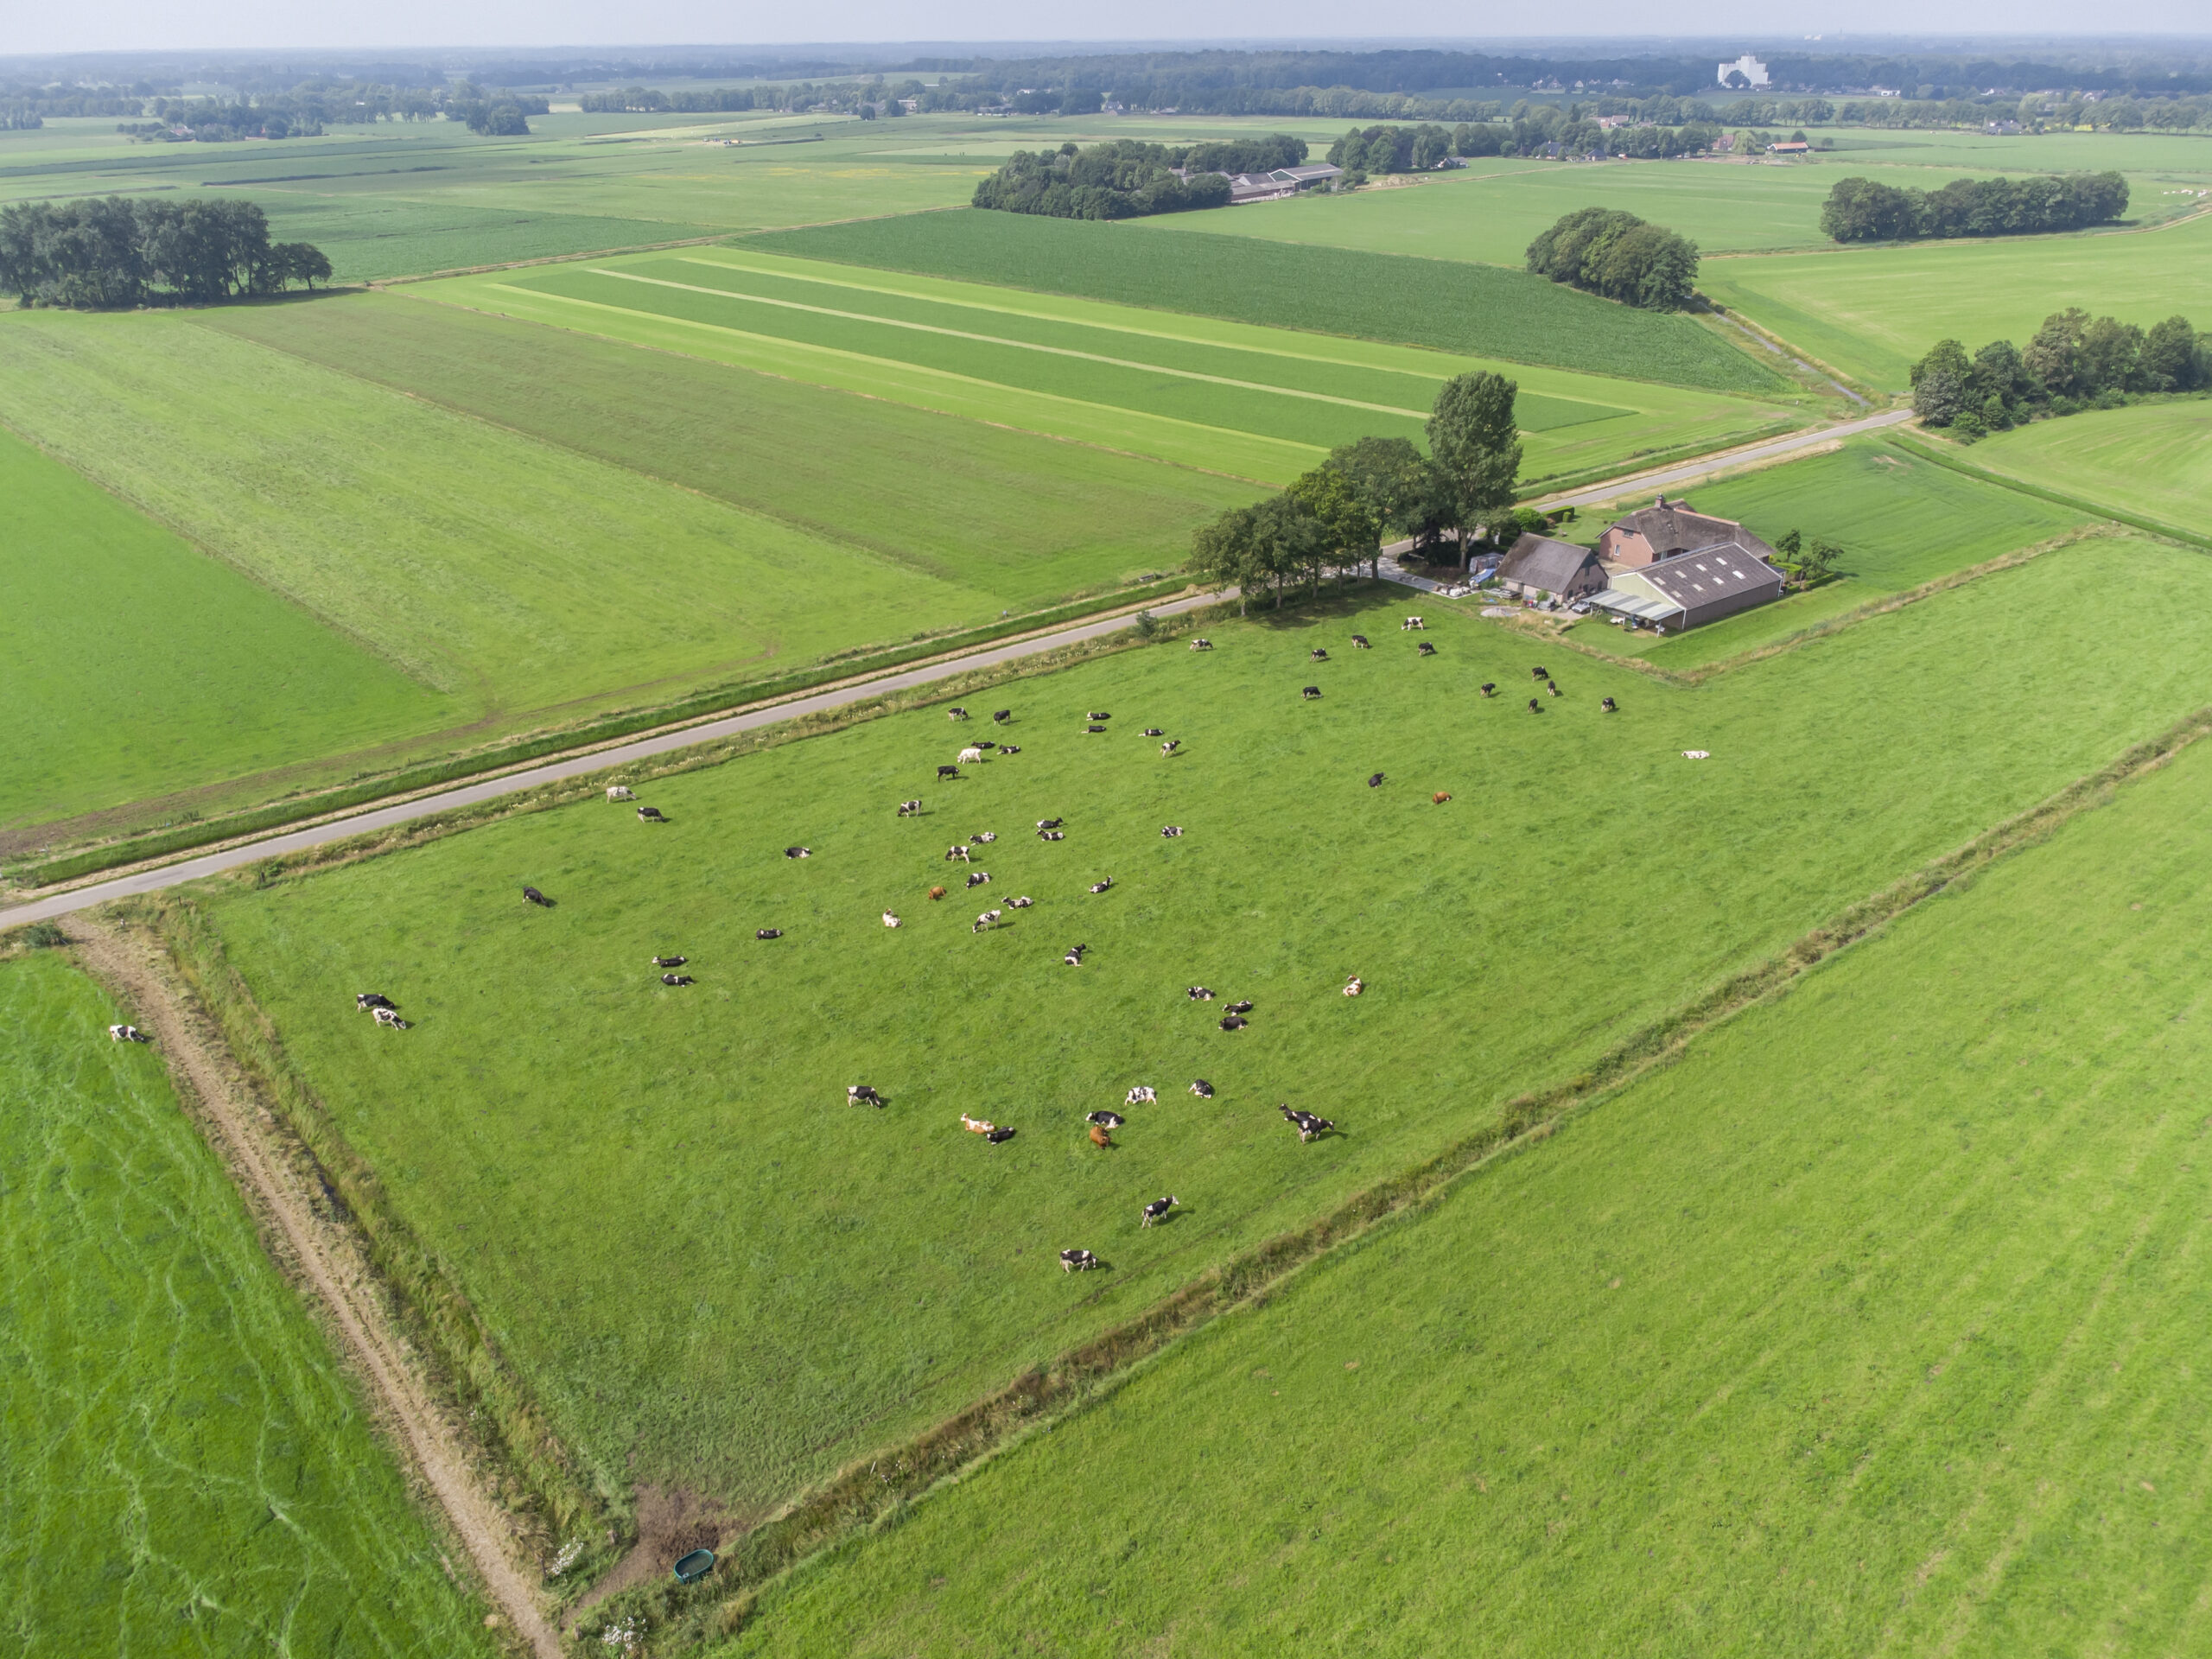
1536, 567
1662, 531
1693, 589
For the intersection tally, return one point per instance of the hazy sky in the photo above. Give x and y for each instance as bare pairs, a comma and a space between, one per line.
95, 25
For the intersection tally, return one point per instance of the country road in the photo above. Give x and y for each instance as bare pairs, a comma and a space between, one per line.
1689, 471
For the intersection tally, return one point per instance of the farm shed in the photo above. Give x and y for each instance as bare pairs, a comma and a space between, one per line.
1537, 567
1700, 587
1661, 531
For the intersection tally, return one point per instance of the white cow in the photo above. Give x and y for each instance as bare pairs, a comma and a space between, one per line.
1412, 622
889, 920
1140, 1096
127, 1035
1355, 985
619, 792
970, 757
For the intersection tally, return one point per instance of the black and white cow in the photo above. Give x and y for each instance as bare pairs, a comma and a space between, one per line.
1245, 1007
677, 979
1309, 1127
1202, 1088
1607, 704
651, 815
956, 714
1142, 1096
389, 1017
1318, 654
910, 809
976, 878
669, 962
1199, 994
1102, 884
862, 1094
1309, 692
1000, 1134
1425, 649
1535, 708
767, 932
1201, 645
1022, 903
1009, 748
372, 999
1359, 642
1050, 823
798, 852
621, 792
1094, 728
983, 837
132, 1034
1171, 746
1375, 782
1540, 672
948, 772
1078, 1261
1158, 1208
1234, 1022
957, 851
537, 898
1489, 688
1074, 958
1097, 714
999, 716
1551, 686
1052, 834
1171, 831
985, 921
1154, 731
1105, 1120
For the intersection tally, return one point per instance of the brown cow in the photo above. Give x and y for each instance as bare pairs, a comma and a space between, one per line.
1099, 1137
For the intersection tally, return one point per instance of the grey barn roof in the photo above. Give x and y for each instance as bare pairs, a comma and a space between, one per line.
1696, 578
1539, 561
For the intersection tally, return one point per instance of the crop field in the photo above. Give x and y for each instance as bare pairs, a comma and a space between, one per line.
132, 665
1901, 521
1257, 402
2152, 459
1447, 306
183, 1469
716, 1273
468, 575
1874, 312
1874, 1326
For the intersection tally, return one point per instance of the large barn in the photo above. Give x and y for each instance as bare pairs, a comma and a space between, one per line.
1536, 567
1694, 588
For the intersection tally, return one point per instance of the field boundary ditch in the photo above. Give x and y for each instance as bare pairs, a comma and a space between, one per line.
1967, 469
873, 1494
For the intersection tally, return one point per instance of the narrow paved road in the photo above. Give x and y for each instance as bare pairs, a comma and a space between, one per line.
1704, 466
190, 869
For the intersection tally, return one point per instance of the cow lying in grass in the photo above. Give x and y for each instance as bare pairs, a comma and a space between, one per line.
1199, 994
1201, 645
1245, 1007
1170, 831
767, 932
132, 1034
1202, 1088
983, 837
1354, 986
1154, 731
1022, 903
1104, 1119
1607, 704
798, 852
890, 920
1074, 958
1050, 823
976, 878
1102, 884
669, 962
1234, 1022
1140, 1096
365, 999
677, 979
1100, 1138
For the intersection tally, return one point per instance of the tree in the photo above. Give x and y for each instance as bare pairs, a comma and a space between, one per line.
1348, 520
2000, 372
1617, 255
2054, 356
1223, 554
2110, 357
1401, 484
1288, 541
2173, 359
1476, 445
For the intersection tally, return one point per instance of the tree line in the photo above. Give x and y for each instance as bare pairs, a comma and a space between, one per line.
1340, 513
2072, 364
1605, 251
1862, 210
1240, 155
99, 254
1121, 179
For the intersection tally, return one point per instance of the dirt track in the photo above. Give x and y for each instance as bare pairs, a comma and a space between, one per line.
320, 1255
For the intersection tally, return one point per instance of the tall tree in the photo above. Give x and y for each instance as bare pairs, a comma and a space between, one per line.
1401, 484
1350, 522
1477, 447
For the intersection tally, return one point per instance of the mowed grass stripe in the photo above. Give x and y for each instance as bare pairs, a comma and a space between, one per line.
1019, 345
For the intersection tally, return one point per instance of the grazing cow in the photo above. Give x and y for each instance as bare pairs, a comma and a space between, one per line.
1104, 1119
1094, 728
959, 850
1551, 686
994, 1137
862, 1094
976, 878
1171, 746
1425, 650
1411, 622
1309, 1127
1359, 642
619, 792
1535, 708
1245, 1007
1050, 823
1097, 715
669, 962
767, 932
948, 772
1309, 692
889, 920
1441, 797
1202, 1088
1489, 688
977, 1125
956, 714
937, 892
1376, 782
677, 979
1074, 958
984, 838
1100, 1138
537, 898
1171, 831
1154, 731
1022, 903
1199, 994
1158, 1208
1540, 672
1052, 834
910, 809
1102, 884
372, 999
1140, 1096
132, 1034
999, 716
1319, 655
1354, 986
798, 852
1078, 1261
1009, 748
985, 921
390, 1017
651, 815
1234, 1022
970, 756
1607, 704
1201, 645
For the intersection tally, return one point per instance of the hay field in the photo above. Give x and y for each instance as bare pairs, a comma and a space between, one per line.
184, 1469
2152, 459
716, 1274
1877, 1324
1259, 402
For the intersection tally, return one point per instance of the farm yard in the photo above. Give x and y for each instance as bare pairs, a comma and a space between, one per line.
980, 1120
188, 1470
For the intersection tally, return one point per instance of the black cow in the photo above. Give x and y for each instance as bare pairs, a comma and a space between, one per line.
1096, 715
1234, 1022
1102, 884
1535, 708
651, 815
669, 962
1105, 1120
999, 716
372, 999
1607, 704
1050, 823
1009, 748
910, 808
1078, 1261
1309, 692
1154, 731
1094, 728
1551, 686
798, 852
767, 932
1245, 1007
1425, 649
1156, 1209
993, 1136
1540, 672
1376, 782
862, 1094
1309, 1127
1202, 1088
948, 772
537, 898
677, 979
1319, 655
1359, 641
1074, 958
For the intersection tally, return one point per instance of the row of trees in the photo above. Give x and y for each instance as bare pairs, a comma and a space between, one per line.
2073, 363
1241, 155
117, 252
1605, 251
1377, 489
1541, 131
1123, 179
1862, 210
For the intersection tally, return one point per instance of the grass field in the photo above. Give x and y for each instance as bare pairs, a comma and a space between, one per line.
1447, 306
717, 1274
1875, 1326
1874, 312
1901, 520
2154, 459
183, 1470
1262, 403
132, 665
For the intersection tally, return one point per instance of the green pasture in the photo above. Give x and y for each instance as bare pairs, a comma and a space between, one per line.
184, 1467
1874, 1326
1874, 312
1901, 521
1447, 306
716, 1273
132, 665
1259, 402
516, 578
2152, 459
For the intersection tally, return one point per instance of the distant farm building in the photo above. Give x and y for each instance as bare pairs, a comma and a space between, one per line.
1283, 181
1536, 567
1791, 147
